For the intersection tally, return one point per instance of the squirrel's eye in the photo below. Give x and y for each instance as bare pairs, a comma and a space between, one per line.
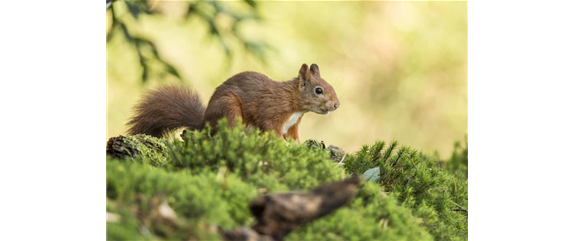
319, 91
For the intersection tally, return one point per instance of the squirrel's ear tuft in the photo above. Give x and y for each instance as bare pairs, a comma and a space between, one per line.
315, 70
304, 75
304, 72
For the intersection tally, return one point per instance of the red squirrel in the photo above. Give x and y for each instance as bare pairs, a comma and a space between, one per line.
260, 102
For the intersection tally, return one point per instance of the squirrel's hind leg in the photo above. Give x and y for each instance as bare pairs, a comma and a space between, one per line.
227, 106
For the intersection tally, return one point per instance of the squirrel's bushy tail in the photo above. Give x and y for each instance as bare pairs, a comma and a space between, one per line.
165, 109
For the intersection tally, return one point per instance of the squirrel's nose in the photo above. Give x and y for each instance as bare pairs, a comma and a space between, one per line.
336, 104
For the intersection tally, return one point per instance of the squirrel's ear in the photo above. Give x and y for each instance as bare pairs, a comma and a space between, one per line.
304, 74
315, 70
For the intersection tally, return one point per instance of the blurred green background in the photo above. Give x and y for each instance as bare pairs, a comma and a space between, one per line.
399, 68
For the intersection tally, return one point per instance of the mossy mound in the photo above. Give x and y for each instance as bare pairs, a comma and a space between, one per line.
209, 180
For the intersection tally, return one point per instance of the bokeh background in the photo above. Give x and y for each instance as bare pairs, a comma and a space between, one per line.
399, 68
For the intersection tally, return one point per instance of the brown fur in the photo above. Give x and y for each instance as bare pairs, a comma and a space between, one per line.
165, 109
258, 100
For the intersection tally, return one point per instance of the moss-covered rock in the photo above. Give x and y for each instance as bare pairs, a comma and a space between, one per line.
138, 147
337, 154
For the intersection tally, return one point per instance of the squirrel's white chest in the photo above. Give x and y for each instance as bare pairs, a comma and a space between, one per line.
291, 121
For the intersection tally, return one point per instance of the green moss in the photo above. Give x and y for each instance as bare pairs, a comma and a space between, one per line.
262, 159
148, 149
458, 162
209, 181
222, 200
372, 215
127, 228
437, 197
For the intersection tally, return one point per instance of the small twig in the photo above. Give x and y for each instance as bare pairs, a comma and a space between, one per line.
460, 208
342, 159
458, 205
